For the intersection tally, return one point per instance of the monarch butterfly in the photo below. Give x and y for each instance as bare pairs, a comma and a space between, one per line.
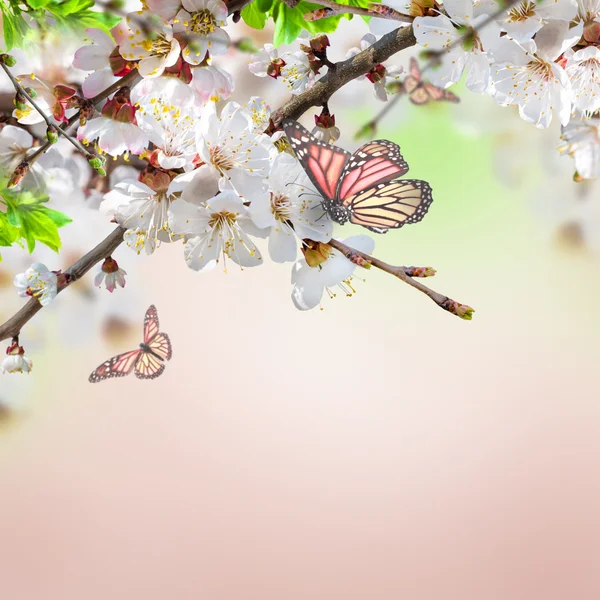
361, 188
148, 360
423, 93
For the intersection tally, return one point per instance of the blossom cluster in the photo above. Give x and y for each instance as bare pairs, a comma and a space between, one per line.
542, 57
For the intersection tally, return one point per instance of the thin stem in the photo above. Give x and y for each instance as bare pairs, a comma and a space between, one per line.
49, 121
461, 310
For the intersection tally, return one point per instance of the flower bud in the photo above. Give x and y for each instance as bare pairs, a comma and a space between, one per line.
319, 13
460, 310
20, 101
52, 135
420, 271
97, 163
319, 44
18, 174
376, 74
32, 93
8, 60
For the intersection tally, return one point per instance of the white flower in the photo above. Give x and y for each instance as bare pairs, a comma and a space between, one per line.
38, 282
329, 135
167, 89
234, 150
221, 227
260, 63
143, 210
155, 51
171, 130
583, 69
110, 275
309, 283
116, 129
97, 58
582, 142
297, 73
526, 18
211, 83
289, 210
167, 9
526, 75
441, 32
380, 26
201, 21
380, 76
15, 360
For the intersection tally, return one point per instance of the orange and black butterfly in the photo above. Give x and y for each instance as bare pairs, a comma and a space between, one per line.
362, 187
148, 360
423, 93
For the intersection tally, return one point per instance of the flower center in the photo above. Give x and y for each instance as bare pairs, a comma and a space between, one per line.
540, 69
220, 160
523, 11
160, 46
203, 22
281, 207
223, 220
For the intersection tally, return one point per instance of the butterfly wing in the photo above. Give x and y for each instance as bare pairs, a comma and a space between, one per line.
419, 96
151, 324
414, 70
373, 163
148, 366
391, 205
322, 162
117, 366
161, 345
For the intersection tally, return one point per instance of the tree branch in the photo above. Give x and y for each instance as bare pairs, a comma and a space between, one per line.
461, 310
345, 71
76, 271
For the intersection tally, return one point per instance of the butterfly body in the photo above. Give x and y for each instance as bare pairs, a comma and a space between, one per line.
362, 188
148, 361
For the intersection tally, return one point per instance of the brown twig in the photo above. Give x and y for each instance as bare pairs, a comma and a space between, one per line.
461, 310
51, 122
345, 71
342, 9
105, 248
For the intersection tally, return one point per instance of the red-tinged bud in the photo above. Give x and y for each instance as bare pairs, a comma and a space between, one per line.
62, 279
562, 61
577, 177
315, 253
18, 174
325, 119
52, 135
63, 92
120, 108
420, 272
377, 74
591, 32
460, 310
118, 65
156, 179
14, 349
320, 13
319, 44
86, 111
110, 265
8, 60
274, 68
357, 259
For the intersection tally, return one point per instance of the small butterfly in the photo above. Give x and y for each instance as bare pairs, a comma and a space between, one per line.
361, 188
423, 93
148, 361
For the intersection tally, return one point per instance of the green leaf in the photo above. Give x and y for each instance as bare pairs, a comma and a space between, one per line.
8, 234
288, 23
37, 4
34, 221
15, 27
253, 15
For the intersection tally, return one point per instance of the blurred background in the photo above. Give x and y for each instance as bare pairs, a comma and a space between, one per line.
378, 448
